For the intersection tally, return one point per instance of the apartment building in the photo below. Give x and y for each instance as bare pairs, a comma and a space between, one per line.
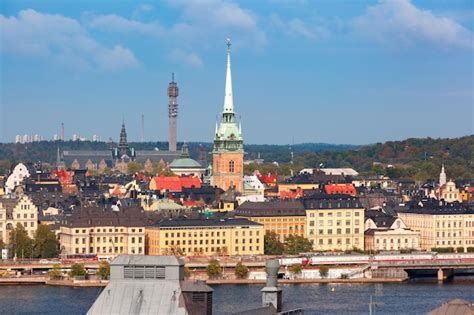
205, 237
17, 210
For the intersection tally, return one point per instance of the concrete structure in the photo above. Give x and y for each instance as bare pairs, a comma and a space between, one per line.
173, 93
285, 217
335, 223
151, 285
228, 150
272, 293
205, 237
103, 231
454, 307
445, 226
15, 211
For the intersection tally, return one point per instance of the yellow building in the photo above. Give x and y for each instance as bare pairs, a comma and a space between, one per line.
284, 217
17, 210
102, 231
335, 223
447, 226
205, 237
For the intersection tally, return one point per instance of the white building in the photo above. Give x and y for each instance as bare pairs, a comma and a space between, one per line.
20, 172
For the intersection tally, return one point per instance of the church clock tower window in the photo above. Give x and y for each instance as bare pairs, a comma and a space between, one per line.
231, 166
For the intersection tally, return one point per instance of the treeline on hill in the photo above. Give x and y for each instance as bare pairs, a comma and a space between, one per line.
418, 159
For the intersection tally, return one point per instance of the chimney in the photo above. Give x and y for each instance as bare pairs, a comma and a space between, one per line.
271, 293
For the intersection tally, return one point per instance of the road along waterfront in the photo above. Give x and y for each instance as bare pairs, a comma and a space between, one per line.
413, 297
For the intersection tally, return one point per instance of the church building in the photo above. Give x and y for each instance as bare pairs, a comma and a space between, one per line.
228, 150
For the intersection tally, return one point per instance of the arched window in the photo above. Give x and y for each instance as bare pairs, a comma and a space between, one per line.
231, 166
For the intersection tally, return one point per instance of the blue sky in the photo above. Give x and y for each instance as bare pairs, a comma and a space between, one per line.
352, 72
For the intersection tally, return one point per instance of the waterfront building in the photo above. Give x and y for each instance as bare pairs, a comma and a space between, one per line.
152, 285
334, 222
105, 231
284, 217
386, 233
441, 226
205, 237
228, 150
20, 210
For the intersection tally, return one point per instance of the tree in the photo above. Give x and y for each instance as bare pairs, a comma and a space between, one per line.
104, 270
22, 245
134, 167
295, 269
77, 269
295, 244
323, 271
214, 269
45, 242
55, 273
272, 245
186, 272
241, 271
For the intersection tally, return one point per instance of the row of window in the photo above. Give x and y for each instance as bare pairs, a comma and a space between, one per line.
209, 234
110, 250
339, 241
109, 230
393, 241
330, 222
111, 240
330, 231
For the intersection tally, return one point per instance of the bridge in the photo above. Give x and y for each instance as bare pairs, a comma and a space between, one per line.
445, 269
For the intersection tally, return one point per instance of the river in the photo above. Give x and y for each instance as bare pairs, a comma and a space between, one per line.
415, 297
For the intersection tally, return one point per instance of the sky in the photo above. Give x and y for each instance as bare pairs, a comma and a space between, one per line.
342, 72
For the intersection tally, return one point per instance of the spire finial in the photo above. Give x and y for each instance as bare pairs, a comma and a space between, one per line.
172, 76
228, 43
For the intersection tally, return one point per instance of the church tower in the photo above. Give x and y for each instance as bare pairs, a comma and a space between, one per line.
442, 176
228, 151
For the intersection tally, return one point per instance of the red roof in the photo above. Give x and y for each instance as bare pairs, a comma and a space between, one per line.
292, 194
269, 179
64, 176
346, 189
175, 183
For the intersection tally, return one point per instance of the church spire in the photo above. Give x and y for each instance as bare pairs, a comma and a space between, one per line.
228, 98
442, 176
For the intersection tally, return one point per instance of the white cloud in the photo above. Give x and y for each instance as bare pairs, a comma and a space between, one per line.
190, 58
296, 27
112, 22
61, 38
399, 22
205, 19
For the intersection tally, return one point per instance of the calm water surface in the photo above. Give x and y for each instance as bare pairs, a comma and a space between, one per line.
415, 297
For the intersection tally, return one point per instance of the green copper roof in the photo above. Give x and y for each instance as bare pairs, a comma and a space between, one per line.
185, 163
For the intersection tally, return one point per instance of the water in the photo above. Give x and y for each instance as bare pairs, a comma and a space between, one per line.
414, 297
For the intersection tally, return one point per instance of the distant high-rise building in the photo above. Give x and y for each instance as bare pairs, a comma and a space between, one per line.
228, 151
62, 132
173, 92
95, 138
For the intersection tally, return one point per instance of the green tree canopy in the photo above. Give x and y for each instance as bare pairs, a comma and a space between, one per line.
21, 243
323, 271
241, 271
104, 270
272, 244
295, 269
55, 273
295, 244
214, 269
45, 242
77, 269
